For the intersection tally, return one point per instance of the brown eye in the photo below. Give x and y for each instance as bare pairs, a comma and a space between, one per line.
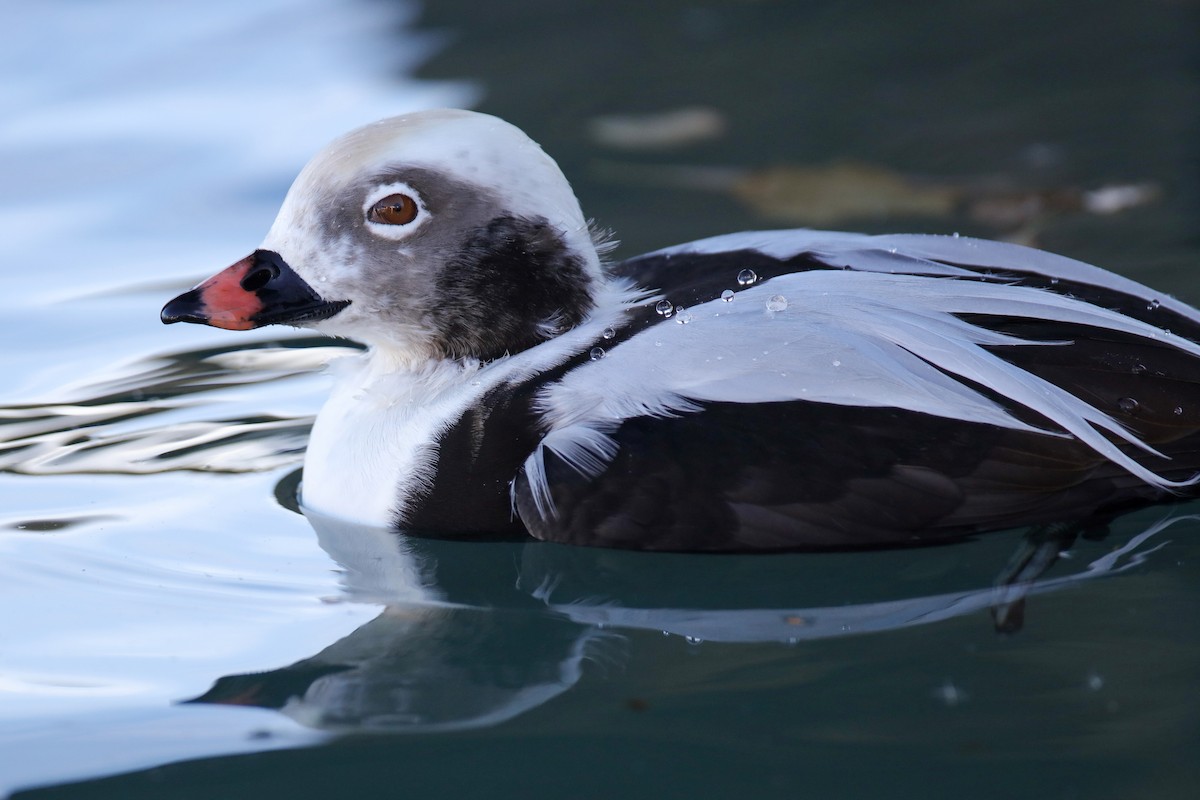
395, 209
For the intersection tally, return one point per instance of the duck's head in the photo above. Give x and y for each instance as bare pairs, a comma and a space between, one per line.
439, 234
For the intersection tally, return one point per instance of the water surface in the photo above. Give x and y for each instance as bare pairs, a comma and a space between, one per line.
172, 626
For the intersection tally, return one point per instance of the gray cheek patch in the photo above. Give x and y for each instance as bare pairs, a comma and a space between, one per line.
484, 283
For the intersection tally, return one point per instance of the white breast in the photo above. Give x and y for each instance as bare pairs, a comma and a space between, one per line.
373, 445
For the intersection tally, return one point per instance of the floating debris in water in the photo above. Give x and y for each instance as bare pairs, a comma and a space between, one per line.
663, 130
827, 195
950, 694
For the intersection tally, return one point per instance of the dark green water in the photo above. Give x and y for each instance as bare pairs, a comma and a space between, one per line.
542, 671
874, 684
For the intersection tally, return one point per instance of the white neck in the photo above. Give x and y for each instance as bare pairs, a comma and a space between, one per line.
372, 444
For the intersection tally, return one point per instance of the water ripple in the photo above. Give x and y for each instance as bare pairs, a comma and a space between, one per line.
151, 418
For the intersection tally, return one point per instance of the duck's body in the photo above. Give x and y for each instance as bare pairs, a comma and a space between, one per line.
758, 391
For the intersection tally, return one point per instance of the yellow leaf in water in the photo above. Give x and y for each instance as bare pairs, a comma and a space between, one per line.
828, 195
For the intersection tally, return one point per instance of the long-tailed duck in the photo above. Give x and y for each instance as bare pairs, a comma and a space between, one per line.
755, 391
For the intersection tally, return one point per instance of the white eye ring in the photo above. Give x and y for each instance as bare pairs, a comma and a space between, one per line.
395, 232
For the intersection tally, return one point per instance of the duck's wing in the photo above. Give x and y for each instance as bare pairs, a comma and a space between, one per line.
896, 388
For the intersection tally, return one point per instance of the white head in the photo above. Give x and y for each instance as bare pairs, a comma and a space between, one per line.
433, 234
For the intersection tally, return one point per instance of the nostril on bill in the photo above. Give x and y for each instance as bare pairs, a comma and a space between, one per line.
259, 277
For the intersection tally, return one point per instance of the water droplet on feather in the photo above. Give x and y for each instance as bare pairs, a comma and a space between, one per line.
747, 277
664, 308
776, 302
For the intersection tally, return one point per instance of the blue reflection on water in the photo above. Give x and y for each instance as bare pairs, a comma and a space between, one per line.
149, 146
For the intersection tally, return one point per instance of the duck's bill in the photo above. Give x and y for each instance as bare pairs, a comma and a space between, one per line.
261, 289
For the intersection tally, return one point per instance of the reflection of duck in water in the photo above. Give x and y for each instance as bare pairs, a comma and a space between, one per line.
475, 633
758, 391
411, 669
453, 647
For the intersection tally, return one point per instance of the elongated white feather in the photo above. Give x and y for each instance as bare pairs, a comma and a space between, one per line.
584, 448
849, 338
924, 254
